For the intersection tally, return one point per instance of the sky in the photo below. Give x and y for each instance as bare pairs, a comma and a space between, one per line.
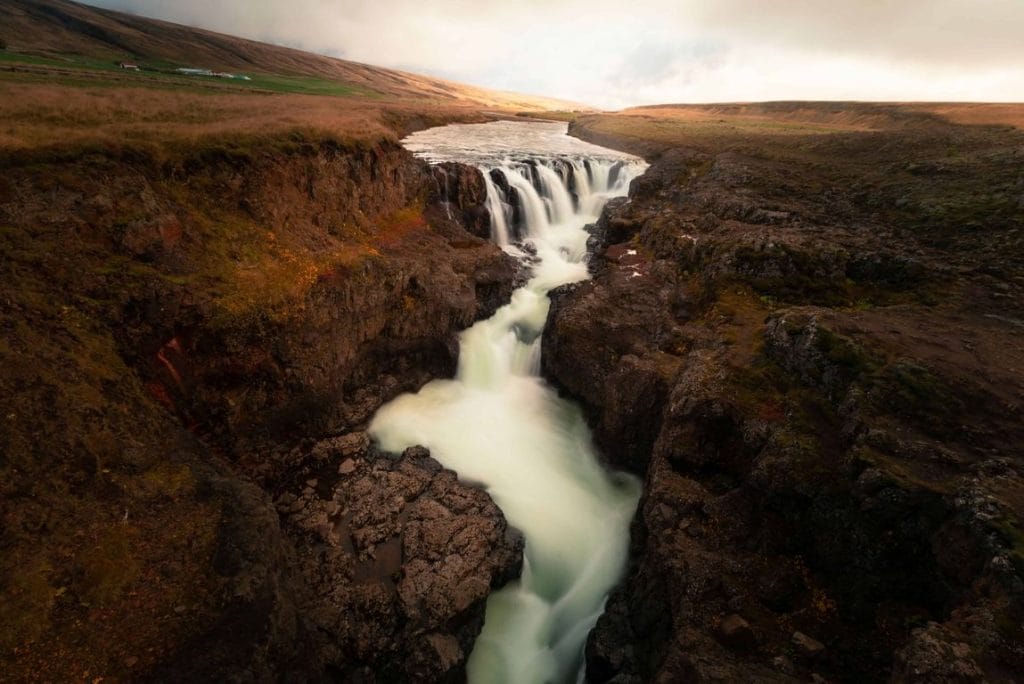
622, 53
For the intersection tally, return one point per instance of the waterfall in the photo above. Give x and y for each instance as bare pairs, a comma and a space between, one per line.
498, 423
498, 207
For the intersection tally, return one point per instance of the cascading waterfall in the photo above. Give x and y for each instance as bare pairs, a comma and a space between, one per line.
497, 422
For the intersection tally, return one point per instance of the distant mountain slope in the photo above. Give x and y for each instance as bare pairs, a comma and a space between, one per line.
60, 27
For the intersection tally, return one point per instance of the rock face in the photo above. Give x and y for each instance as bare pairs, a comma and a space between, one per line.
182, 329
461, 190
830, 447
399, 557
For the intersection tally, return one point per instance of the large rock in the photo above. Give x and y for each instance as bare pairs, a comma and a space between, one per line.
400, 558
258, 297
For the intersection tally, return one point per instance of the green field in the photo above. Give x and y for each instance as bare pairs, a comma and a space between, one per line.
162, 75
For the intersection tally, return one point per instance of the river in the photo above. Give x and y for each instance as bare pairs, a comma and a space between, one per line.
498, 424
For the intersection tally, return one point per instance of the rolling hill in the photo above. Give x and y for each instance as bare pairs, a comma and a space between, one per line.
57, 33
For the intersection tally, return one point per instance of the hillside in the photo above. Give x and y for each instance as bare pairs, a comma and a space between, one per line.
58, 33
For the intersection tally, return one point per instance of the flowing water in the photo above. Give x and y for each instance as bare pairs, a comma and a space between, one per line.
499, 424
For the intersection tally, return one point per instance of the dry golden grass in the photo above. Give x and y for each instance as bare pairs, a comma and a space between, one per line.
768, 119
786, 118
36, 115
280, 271
778, 125
978, 114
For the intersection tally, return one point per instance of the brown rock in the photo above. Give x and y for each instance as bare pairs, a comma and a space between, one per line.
807, 646
735, 632
401, 573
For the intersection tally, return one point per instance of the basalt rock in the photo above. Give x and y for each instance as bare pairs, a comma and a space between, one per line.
226, 312
461, 189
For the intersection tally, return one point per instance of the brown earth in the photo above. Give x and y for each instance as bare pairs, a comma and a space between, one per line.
804, 332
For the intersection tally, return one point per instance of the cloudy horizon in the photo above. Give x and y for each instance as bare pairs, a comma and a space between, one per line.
611, 55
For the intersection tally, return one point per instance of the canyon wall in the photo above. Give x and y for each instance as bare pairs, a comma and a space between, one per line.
194, 336
822, 399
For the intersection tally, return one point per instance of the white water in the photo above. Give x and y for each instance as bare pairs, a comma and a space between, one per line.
499, 424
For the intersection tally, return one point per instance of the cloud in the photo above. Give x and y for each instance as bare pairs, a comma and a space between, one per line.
615, 53
926, 31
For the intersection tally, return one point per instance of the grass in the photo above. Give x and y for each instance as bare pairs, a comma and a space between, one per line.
161, 74
19, 58
305, 85
42, 115
38, 114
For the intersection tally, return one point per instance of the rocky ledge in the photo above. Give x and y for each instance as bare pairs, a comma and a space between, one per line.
392, 565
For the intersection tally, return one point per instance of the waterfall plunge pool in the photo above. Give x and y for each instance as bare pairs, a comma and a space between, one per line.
499, 424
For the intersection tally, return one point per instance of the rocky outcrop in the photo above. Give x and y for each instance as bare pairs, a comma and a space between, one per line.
831, 482
462, 192
399, 558
260, 631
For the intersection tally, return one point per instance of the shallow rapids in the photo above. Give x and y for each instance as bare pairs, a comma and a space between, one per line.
497, 423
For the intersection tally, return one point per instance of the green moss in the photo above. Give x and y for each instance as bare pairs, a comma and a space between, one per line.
1009, 626
795, 442
760, 389
852, 359
1010, 531
901, 473
167, 480
134, 271
911, 391
109, 566
799, 279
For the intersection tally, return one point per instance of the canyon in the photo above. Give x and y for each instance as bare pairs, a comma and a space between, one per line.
773, 364
797, 336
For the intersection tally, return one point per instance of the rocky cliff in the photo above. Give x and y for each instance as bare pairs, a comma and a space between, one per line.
194, 335
807, 346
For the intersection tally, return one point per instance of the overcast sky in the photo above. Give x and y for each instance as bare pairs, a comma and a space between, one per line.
615, 54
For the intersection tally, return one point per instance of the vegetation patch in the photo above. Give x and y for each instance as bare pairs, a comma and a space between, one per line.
850, 358
912, 392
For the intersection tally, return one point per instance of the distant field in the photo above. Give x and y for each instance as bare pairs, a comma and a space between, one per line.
75, 70
788, 126
63, 101
79, 45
